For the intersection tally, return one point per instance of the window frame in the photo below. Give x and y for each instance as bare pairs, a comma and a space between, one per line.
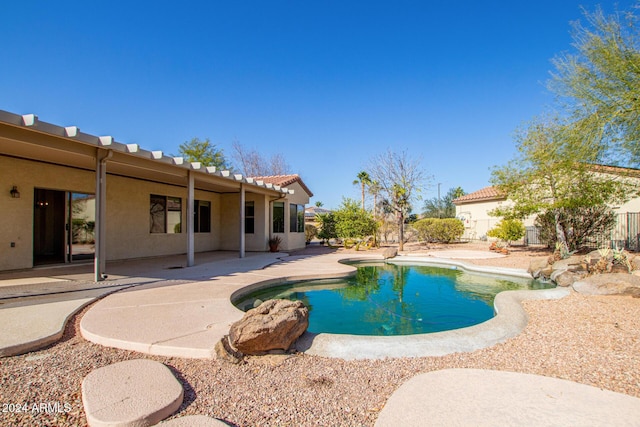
278, 223
161, 216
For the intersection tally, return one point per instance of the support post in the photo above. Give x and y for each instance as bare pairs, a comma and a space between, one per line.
190, 220
242, 220
100, 256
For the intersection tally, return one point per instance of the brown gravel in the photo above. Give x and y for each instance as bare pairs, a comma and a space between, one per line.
592, 340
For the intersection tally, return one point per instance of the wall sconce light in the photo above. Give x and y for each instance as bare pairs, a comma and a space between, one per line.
14, 192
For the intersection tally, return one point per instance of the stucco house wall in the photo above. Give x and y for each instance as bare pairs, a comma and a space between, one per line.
60, 161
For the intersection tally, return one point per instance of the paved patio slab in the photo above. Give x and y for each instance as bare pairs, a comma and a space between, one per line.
472, 397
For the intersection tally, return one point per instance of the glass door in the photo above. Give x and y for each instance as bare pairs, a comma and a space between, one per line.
81, 226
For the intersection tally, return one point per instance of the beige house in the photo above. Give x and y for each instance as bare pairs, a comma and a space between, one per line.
473, 209
69, 196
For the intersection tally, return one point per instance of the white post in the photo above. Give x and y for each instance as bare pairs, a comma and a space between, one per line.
242, 220
190, 220
100, 256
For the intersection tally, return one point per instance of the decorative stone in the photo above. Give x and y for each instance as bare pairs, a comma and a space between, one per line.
609, 284
390, 253
554, 275
225, 352
567, 278
571, 263
537, 265
131, 393
275, 324
635, 263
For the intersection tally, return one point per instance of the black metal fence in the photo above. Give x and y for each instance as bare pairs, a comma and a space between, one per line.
625, 234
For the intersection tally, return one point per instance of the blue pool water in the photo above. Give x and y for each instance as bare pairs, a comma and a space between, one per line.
389, 299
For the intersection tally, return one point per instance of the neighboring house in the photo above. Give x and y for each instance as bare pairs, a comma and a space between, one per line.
311, 212
132, 203
473, 209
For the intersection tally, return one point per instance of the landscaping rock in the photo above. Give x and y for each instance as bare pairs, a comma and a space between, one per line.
537, 265
572, 263
136, 392
225, 352
275, 324
390, 253
635, 263
609, 284
567, 278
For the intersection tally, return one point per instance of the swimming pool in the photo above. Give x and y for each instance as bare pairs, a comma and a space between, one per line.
395, 299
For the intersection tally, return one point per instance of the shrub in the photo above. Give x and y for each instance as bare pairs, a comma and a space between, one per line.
444, 230
508, 230
310, 231
327, 226
352, 222
582, 226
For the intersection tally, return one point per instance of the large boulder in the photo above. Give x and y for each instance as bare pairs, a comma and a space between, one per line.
609, 284
572, 263
274, 325
537, 266
389, 253
566, 278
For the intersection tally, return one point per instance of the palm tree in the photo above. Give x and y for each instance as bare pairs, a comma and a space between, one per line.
374, 190
364, 180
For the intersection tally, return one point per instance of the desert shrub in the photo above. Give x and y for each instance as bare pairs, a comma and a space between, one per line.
508, 230
310, 231
327, 226
351, 222
582, 226
443, 230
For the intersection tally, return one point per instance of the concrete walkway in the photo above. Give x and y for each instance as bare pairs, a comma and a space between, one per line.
474, 397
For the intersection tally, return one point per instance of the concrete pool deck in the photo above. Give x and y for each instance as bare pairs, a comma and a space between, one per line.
163, 309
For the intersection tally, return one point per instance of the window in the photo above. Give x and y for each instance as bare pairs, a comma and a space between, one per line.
165, 214
278, 217
296, 218
249, 217
202, 220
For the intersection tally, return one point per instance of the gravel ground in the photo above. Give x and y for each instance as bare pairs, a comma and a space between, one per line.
592, 340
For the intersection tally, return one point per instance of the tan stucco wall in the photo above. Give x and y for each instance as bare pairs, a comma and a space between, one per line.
127, 222
230, 223
128, 234
296, 240
16, 224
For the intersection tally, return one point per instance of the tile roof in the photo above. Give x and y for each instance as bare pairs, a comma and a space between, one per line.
283, 181
487, 193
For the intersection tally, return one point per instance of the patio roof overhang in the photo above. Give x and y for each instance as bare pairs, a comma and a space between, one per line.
25, 136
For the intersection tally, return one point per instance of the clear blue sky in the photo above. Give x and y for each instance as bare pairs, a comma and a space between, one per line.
328, 84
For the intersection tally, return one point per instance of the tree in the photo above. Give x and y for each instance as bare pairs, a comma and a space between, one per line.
554, 171
327, 223
204, 152
400, 179
374, 190
443, 207
364, 180
600, 83
252, 163
353, 222
508, 230
319, 204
